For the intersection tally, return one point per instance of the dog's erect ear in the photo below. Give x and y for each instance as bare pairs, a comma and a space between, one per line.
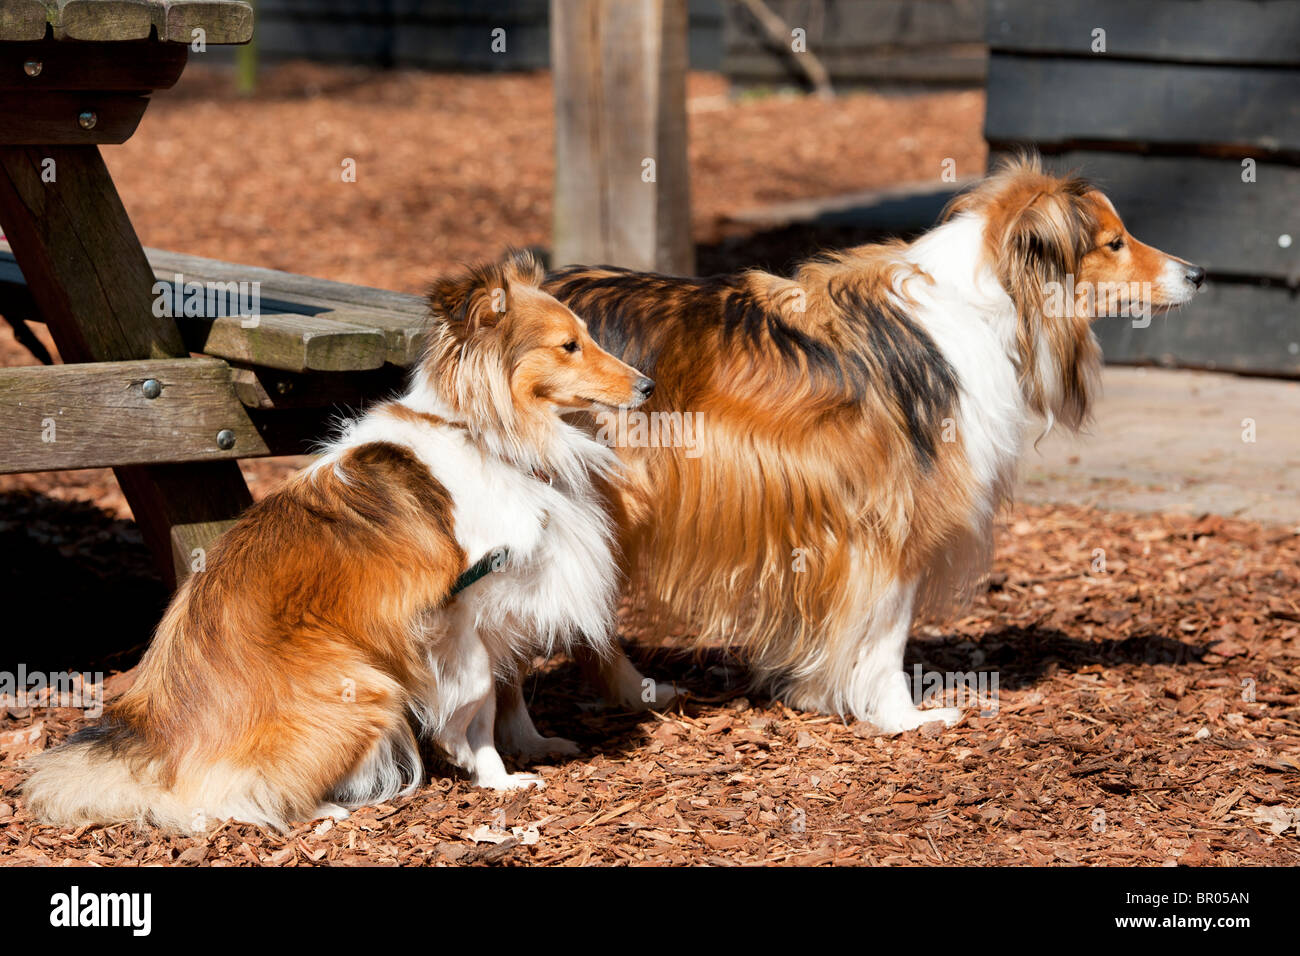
472, 300
479, 298
522, 267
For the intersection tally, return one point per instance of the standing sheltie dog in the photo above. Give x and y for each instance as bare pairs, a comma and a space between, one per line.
859, 425
293, 675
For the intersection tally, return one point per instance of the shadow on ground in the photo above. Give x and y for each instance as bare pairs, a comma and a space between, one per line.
562, 704
79, 589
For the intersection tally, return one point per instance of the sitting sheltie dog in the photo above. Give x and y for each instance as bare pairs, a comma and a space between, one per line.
859, 425
290, 678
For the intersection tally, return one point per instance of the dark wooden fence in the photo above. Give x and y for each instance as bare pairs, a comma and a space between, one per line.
1190, 120
862, 43
438, 34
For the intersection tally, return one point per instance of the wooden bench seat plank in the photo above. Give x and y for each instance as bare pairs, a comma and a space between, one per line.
22, 20
98, 414
173, 21
307, 288
401, 316
103, 19
398, 316
292, 343
222, 21
404, 336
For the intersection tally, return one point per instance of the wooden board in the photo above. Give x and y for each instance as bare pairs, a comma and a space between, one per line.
293, 343
1201, 210
956, 66
23, 20
400, 317
1208, 31
620, 103
49, 226
102, 19
1065, 101
863, 42
223, 21
1229, 327
139, 65
862, 24
97, 415
273, 390
440, 34
91, 282
288, 284
40, 118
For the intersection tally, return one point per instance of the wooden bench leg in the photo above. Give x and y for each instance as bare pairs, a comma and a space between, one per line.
89, 277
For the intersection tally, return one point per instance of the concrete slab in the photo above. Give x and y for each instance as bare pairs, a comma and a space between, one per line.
1178, 441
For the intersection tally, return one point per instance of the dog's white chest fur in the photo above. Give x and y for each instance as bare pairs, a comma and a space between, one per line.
558, 577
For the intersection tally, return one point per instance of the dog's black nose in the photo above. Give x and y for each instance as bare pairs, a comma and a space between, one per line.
1196, 275
645, 386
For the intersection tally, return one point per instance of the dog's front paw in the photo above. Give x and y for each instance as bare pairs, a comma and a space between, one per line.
510, 781
898, 721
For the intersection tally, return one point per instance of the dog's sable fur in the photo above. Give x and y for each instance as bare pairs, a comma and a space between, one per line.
858, 425
291, 676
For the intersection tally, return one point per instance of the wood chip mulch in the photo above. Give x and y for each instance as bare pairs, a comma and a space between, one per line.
1149, 676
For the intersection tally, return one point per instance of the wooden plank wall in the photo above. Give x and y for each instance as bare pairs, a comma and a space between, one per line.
1190, 121
438, 34
863, 43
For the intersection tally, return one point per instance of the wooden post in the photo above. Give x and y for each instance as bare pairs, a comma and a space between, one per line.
246, 65
89, 278
622, 178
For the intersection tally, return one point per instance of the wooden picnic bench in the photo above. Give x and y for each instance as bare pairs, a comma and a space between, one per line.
169, 398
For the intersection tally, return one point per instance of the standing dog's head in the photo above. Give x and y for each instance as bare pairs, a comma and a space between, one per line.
511, 358
1061, 252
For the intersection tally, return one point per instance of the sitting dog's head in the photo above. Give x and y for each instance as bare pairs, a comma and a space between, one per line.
511, 357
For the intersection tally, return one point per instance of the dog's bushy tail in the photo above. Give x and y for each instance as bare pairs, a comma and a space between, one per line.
102, 775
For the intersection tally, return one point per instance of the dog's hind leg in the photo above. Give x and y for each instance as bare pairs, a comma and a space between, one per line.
620, 684
331, 811
391, 768
863, 674
515, 731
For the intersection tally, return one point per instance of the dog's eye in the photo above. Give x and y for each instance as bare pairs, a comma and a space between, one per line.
1116, 244
570, 346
